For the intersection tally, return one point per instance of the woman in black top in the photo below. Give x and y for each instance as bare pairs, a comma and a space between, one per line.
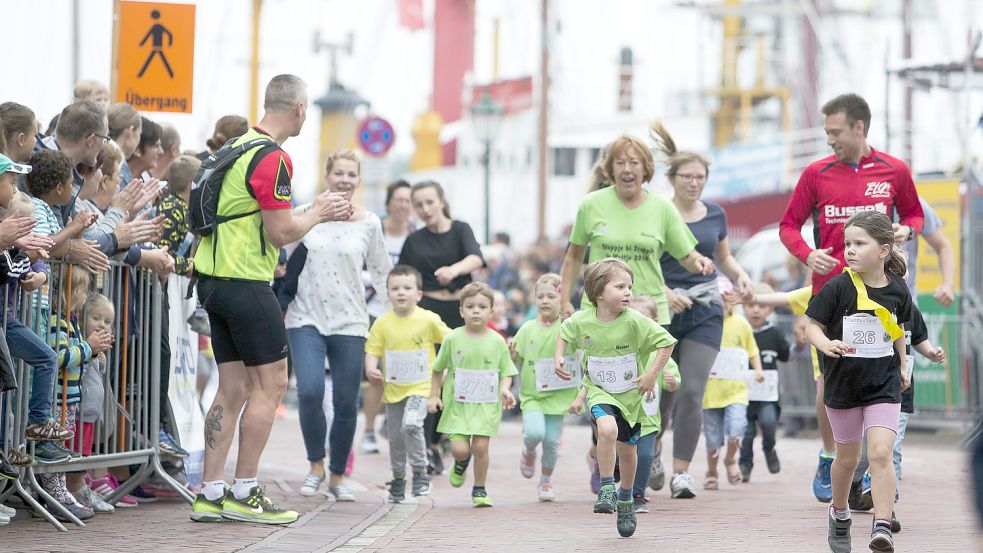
854, 324
446, 253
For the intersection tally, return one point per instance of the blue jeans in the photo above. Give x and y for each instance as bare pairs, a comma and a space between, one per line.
646, 454
345, 354
765, 415
725, 422
30, 348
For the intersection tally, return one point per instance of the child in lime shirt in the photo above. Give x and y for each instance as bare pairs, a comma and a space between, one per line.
616, 341
403, 338
475, 365
725, 399
543, 397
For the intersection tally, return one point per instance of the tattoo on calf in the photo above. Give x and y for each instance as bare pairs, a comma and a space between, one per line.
213, 424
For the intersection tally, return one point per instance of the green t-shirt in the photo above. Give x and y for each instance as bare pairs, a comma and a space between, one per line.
475, 368
535, 345
637, 236
653, 422
613, 354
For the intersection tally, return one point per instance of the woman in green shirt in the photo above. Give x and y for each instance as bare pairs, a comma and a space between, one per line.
627, 221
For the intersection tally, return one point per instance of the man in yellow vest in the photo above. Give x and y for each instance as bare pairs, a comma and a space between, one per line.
235, 266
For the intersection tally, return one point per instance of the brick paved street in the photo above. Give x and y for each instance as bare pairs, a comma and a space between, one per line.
772, 513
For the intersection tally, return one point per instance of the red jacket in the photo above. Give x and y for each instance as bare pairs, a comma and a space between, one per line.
831, 191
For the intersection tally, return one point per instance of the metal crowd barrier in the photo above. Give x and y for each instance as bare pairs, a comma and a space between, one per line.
127, 432
947, 396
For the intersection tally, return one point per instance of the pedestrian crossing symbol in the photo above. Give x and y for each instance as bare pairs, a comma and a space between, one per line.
156, 56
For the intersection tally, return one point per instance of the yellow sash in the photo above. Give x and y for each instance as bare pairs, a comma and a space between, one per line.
864, 302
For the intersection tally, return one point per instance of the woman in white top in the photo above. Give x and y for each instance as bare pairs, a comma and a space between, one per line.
395, 228
328, 317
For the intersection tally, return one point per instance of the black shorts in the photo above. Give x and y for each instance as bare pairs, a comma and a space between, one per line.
246, 321
626, 434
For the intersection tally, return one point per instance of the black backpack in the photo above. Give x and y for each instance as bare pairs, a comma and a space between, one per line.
208, 184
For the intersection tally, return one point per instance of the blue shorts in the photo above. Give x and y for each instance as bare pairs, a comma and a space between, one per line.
626, 434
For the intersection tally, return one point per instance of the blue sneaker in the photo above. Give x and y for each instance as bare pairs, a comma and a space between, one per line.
822, 487
169, 445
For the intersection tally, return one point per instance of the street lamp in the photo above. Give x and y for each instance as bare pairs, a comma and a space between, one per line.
486, 116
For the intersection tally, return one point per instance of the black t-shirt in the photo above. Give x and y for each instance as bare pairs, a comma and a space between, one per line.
772, 345
855, 381
428, 251
709, 232
916, 333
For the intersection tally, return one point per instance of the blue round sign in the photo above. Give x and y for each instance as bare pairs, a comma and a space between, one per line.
376, 136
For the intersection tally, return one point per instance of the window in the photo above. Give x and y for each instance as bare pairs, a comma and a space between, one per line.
564, 162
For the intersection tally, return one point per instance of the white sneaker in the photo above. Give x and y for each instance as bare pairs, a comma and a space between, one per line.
8, 512
681, 486
4, 519
311, 483
527, 463
369, 444
91, 499
546, 492
341, 493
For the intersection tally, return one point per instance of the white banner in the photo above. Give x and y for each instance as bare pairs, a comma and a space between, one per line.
188, 420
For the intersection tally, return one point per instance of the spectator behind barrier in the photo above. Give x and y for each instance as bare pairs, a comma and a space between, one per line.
92, 90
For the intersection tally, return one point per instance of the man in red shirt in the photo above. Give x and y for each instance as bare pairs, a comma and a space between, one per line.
855, 178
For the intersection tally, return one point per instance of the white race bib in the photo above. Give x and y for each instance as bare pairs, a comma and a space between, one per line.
651, 407
866, 337
730, 364
613, 374
546, 379
472, 386
910, 358
407, 367
762, 391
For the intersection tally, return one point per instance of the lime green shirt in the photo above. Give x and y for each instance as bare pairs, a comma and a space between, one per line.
404, 345
614, 353
653, 420
719, 393
637, 236
475, 368
535, 345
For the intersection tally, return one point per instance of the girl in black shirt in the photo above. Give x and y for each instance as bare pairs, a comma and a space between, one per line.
854, 325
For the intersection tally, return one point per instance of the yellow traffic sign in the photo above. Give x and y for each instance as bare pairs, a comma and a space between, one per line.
156, 56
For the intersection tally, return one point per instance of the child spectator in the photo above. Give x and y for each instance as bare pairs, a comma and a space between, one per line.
403, 338
773, 347
92, 90
174, 207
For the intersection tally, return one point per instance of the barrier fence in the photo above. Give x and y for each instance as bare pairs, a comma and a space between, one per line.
126, 429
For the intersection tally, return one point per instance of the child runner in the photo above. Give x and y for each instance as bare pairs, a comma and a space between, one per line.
403, 338
475, 365
543, 397
773, 347
669, 380
854, 325
615, 340
725, 399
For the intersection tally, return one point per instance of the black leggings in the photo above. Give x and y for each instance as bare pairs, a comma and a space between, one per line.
449, 311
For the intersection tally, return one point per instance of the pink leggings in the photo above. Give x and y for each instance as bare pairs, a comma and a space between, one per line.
849, 425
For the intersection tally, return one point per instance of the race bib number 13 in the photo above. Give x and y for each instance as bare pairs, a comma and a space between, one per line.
613, 374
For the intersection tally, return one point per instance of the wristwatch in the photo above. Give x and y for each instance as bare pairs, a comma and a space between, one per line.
911, 232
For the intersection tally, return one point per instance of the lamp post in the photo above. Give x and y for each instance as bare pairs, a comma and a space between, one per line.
486, 116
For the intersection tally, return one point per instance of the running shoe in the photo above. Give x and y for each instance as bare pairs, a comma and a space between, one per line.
143, 496
546, 492
854, 499
595, 474
92, 501
456, 477
866, 500
641, 504
48, 453
421, 484
75, 509
895, 523
311, 483
435, 462
881, 538
397, 490
168, 445
527, 463
205, 510
626, 518
822, 487
105, 487
605, 500
341, 493
479, 498
774, 465
4, 520
369, 444
256, 508
681, 486
745, 471
838, 534
8, 512
657, 480
8, 470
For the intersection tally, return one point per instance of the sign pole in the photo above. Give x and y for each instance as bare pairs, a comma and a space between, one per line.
254, 65
114, 71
